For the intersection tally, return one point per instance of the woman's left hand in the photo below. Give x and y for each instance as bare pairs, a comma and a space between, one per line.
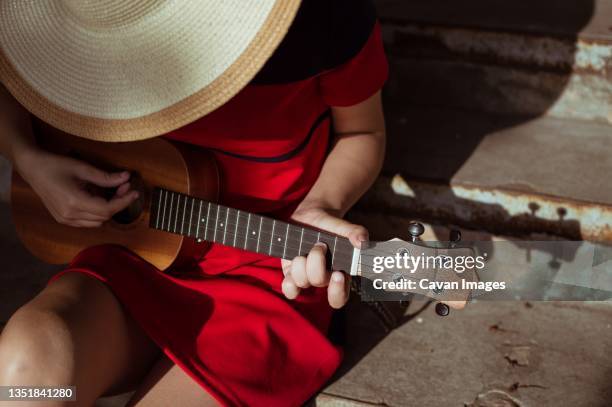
305, 271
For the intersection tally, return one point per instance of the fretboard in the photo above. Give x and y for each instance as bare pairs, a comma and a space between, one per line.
203, 220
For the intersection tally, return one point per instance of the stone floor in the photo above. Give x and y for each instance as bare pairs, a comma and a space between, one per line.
490, 354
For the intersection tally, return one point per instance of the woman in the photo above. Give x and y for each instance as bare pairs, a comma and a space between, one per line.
303, 141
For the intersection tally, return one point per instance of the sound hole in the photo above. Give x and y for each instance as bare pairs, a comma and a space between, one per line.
134, 210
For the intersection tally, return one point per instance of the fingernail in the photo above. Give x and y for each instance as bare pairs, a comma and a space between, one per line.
363, 242
337, 277
124, 174
321, 245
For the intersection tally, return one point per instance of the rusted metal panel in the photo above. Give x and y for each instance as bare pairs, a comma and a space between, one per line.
493, 209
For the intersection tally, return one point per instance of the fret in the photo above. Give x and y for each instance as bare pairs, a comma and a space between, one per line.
176, 211
158, 207
344, 255
184, 210
164, 210
240, 236
246, 233
291, 250
197, 235
268, 227
236, 227
285, 245
309, 240
216, 223
272, 237
301, 240
334, 249
224, 226
277, 240
190, 216
259, 233
207, 217
327, 239
170, 211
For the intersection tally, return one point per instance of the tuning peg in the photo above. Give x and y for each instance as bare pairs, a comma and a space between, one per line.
415, 229
454, 237
442, 309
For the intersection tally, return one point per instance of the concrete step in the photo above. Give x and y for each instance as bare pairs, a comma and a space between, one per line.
497, 173
515, 58
466, 359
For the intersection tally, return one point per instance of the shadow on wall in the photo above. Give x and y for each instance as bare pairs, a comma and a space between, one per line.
461, 71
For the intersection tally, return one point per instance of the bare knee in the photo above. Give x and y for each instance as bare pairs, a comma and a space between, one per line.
36, 348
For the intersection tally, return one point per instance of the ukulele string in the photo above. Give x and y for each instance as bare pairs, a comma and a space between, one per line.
309, 237
339, 252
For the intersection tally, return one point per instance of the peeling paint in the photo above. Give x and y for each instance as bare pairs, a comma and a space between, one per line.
597, 57
496, 209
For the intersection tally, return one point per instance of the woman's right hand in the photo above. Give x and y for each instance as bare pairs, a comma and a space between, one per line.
61, 184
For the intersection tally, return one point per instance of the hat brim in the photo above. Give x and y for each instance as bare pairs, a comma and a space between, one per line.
188, 109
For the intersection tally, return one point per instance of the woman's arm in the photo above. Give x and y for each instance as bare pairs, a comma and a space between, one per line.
349, 170
355, 159
56, 179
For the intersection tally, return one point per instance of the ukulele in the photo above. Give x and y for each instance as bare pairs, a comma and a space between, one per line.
176, 218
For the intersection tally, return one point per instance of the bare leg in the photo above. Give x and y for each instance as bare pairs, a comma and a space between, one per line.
166, 384
74, 332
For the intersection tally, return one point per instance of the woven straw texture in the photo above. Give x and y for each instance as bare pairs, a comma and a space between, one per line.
117, 70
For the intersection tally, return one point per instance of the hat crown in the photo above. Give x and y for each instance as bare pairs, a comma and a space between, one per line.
110, 13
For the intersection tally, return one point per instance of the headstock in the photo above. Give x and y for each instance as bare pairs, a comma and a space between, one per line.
434, 270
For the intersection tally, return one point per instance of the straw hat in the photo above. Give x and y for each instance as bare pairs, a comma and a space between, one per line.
121, 70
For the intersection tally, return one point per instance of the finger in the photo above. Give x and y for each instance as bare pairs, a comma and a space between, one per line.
285, 266
315, 266
357, 234
338, 290
119, 203
122, 189
359, 237
87, 216
290, 290
84, 224
101, 207
298, 272
101, 178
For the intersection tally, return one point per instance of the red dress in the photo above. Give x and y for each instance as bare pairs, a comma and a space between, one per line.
227, 323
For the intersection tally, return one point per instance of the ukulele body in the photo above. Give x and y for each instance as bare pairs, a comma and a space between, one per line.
153, 163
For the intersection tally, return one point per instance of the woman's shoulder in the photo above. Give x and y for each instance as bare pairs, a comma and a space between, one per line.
325, 34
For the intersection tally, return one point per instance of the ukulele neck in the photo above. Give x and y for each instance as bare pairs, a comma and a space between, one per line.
204, 220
